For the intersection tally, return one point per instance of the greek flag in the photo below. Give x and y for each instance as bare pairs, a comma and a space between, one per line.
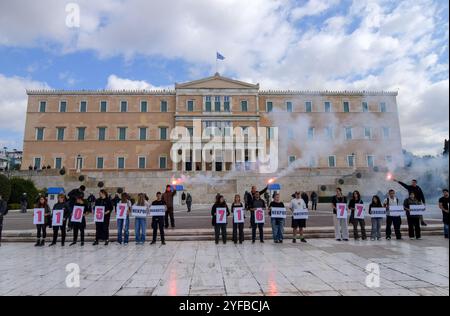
220, 56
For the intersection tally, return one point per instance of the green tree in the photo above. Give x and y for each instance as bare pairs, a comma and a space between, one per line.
20, 186
5, 187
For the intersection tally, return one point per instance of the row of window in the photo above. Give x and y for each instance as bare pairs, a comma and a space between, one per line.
351, 161
368, 133
212, 105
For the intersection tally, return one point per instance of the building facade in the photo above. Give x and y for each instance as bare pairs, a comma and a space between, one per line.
93, 131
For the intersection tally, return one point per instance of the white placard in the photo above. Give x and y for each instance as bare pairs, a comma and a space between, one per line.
238, 215
121, 211
157, 210
301, 214
77, 214
360, 211
139, 211
378, 212
341, 211
260, 217
278, 212
39, 216
57, 218
221, 215
99, 214
396, 210
417, 210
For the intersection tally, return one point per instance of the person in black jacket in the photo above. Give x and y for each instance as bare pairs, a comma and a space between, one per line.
61, 205
3, 212
102, 229
158, 221
80, 227
237, 226
418, 193
42, 228
314, 199
72, 195
257, 203
305, 198
413, 220
395, 220
356, 199
219, 228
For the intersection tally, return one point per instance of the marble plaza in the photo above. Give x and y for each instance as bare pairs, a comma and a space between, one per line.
321, 267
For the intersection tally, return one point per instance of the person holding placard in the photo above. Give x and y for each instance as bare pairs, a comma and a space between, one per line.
356, 206
237, 208
376, 221
414, 229
297, 204
60, 222
158, 221
41, 226
123, 224
3, 212
340, 219
391, 218
219, 213
102, 228
78, 218
417, 190
443, 205
257, 216
140, 223
277, 212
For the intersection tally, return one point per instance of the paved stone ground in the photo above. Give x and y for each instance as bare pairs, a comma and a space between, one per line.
321, 267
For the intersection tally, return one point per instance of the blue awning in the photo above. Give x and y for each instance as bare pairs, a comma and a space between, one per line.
274, 187
55, 190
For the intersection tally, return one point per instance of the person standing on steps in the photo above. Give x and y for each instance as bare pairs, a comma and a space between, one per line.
340, 224
413, 220
277, 223
3, 212
250, 196
314, 199
257, 203
305, 198
418, 193
80, 227
392, 200
356, 199
61, 205
220, 229
237, 227
189, 202
123, 225
42, 228
102, 229
297, 203
167, 197
158, 221
376, 221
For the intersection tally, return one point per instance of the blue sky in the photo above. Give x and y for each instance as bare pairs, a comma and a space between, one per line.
310, 44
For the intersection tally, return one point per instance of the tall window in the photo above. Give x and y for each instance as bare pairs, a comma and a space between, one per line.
142, 163
142, 133
386, 132
217, 104
289, 107
122, 133
102, 133
63, 106
83, 106
60, 133
162, 162
388, 159
351, 161
37, 163
346, 107
42, 106
81, 131
123, 106
164, 107
190, 131
332, 161
292, 159
163, 133
100, 163
103, 106
329, 132
327, 106
269, 106
348, 133
383, 107
144, 106
310, 133
190, 105
226, 104
365, 107
121, 163
367, 133
39, 133
208, 105
58, 163
370, 161
244, 106
308, 106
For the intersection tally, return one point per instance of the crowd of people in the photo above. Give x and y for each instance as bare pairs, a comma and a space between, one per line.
253, 203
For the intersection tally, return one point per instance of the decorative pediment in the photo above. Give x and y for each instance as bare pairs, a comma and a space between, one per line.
216, 82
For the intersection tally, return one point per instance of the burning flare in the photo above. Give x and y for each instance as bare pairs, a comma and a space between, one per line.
389, 176
271, 181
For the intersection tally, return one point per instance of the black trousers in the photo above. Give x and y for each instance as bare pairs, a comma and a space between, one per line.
397, 221
255, 226
56, 229
78, 228
314, 206
1, 228
102, 230
158, 222
220, 229
169, 213
238, 227
41, 231
362, 224
414, 226
189, 206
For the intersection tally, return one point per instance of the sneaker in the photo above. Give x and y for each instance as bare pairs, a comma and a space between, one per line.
373, 239
419, 238
303, 240
345, 239
95, 243
153, 242
276, 241
280, 241
42, 243
242, 242
163, 242
294, 240
424, 224
62, 244
52, 244
107, 243
217, 242
253, 241
338, 239
74, 243
37, 244
262, 241
82, 244
388, 238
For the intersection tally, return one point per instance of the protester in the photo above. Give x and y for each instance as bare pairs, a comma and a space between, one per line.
158, 221
61, 205
356, 199
78, 228
340, 224
376, 221
189, 202
102, 229
168, 199
140, 223
305, 198
250, 196
23, 203
3, 212
256, 203
42, 228
297, 203
72, 195
413, 220
219, 229
123, 225
418, 193
443, 205
395, 220
183, 198
237, 226
314, 199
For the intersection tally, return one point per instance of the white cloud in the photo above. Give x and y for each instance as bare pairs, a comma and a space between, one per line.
117, 83
312, 7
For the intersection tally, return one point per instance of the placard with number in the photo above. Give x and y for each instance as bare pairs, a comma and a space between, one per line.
121, 211
77, 214
301, 213
238, 215
417, 210
378, 212
396, 210
99, 214
39, 216
341, 211
57, 218
221, 215
278, 212
139, 211
260, 217
360, 211
157, 210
